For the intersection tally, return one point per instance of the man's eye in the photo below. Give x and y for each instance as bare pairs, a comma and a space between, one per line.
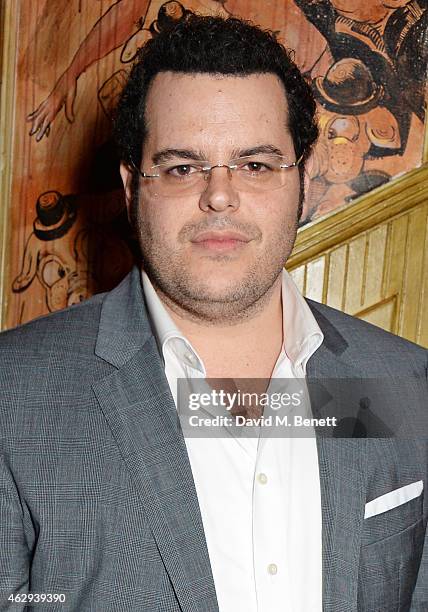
181, 170
256, 167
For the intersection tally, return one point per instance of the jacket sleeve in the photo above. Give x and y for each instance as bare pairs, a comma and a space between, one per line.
420, 594
14, 552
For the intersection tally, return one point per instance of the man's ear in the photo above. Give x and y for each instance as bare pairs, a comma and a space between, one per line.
126, 174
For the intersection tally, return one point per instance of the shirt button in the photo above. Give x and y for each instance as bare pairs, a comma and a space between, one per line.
262, 478
272, 569
190, 358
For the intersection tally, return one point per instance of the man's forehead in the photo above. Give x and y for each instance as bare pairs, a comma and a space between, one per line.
221, 109
215, 105
215, 92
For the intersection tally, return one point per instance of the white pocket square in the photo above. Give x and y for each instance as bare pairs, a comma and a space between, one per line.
393, 499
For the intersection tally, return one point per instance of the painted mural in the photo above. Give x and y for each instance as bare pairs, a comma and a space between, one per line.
366, 62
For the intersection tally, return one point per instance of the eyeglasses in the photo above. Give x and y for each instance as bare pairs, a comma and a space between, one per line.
251, 174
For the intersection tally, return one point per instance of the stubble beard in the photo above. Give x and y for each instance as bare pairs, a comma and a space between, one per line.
190, 297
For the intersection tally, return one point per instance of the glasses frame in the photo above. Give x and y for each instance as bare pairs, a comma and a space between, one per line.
206, 170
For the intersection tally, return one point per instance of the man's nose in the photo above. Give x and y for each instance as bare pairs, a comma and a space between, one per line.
219, 193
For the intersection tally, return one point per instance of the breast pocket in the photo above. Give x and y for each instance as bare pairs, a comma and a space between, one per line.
392, 513
391, 551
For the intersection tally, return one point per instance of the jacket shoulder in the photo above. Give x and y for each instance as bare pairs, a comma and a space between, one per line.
363, 341
55, 331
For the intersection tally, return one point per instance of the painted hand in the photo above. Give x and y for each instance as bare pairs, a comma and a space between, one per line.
63, 94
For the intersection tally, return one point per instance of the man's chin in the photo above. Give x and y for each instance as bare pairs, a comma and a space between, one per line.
211, 292
244, 289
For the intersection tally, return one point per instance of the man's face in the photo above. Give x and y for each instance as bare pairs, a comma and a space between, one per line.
216, 254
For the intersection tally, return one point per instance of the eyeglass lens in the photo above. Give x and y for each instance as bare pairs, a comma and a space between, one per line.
253, 174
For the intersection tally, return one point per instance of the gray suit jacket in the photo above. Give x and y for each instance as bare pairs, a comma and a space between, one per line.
97, 499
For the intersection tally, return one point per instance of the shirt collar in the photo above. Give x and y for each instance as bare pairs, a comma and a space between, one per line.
168, 336
302, 334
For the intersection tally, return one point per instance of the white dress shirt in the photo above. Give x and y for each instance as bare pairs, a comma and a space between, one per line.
259, 496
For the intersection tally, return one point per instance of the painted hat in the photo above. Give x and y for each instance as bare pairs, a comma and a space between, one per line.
55, 215
348, 87
169, 13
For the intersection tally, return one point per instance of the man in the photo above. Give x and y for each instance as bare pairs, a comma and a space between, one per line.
104, 503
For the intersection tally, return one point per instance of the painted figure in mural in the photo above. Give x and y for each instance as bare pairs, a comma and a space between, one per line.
69, 260
353, 127
389, 37
117, 492
122, 24
56, 269
379, 61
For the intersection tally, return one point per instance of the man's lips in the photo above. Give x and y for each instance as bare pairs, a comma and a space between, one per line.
221, 236
220, 241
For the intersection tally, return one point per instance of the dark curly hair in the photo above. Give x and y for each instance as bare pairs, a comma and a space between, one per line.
213, 45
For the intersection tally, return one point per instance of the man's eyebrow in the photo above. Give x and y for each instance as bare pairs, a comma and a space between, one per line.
167, 154
264, 148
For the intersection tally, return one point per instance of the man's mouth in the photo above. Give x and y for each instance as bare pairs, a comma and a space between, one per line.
220, 241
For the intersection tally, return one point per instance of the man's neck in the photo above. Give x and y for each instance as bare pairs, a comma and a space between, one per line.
247, 349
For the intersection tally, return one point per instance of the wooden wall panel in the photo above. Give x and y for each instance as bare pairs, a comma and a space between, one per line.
336, 277
379, 275
412, 311
422, 331
315, 270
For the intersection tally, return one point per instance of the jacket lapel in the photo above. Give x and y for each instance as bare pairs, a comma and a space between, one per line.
342, 465
141, 413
